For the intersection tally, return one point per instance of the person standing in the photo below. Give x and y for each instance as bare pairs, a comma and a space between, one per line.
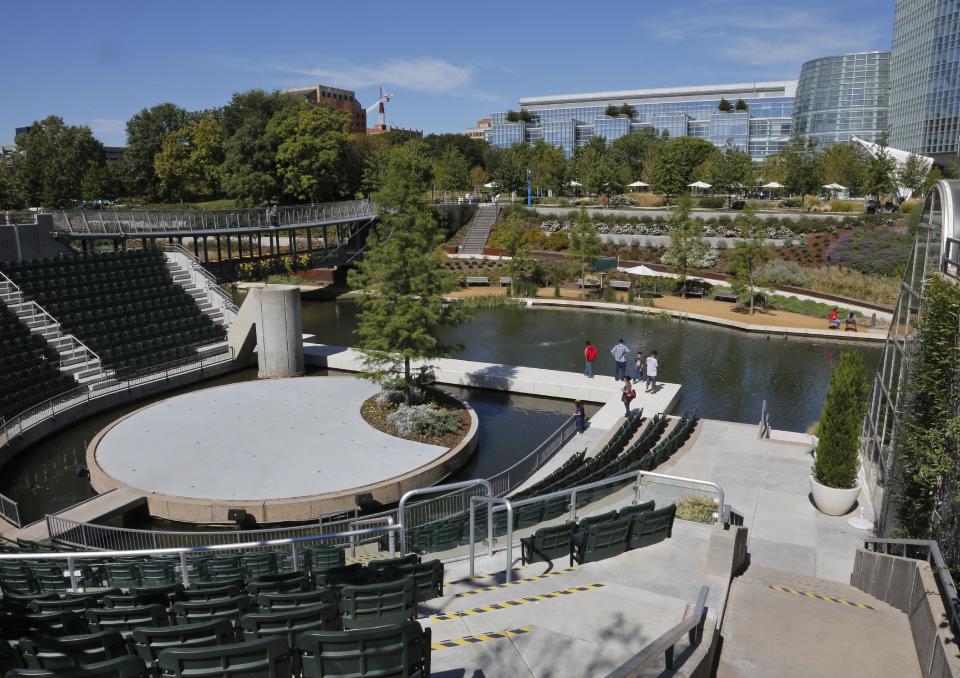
620, 353
641, 367
589, 355
653, 366
579, 416
628, 395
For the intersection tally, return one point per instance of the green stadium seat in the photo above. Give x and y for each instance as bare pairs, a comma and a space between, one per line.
264, 658
378, 604
282, 601
121, 667
288, 623
70, 651
401, 650
150, 642
600, 540
546, 544
652, 527
125, 619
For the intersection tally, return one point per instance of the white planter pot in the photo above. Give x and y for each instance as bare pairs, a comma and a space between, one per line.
832, 500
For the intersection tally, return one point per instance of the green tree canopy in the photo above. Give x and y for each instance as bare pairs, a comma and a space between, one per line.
844, 164
450, 171
801, 167
188, 163
880, 174
749, 254
55, 158
728, 171
677, 161
402, 278
913, 174
310, 143
585, 245
548, 167
724, 106
146, 131
635, 151
510, 172
687, 248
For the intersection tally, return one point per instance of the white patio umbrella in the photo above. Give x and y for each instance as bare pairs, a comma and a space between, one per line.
699, 185
772, 186
642, 270
836, 188
575, 183
638, 184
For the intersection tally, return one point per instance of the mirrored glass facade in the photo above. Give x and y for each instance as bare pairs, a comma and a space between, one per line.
839, 97
687, 111
925, 77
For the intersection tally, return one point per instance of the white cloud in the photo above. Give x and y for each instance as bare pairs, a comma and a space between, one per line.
782, 35
422, 74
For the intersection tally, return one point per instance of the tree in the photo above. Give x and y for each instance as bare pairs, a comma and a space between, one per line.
724, 106
729, 170
880, 173
913, 174
614, 111
375, 166
146, 131
844, 164
801, 167
519, 116
741, 105
635, 150
749, 254
841, 423
478, 177
310, 142
99, 182
55, 158
450, 172
11, 196
597, 169
474, 150
511, 237
548, 167
774, 168
585, 245
510, 173
402, 278
677, 161
933, 176
687, 248
189, 160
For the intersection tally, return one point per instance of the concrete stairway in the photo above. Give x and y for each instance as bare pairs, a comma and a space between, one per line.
75, 358
478, 231
781, 624
183, 278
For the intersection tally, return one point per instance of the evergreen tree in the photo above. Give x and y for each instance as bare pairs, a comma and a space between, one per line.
741, 105
585, 245
724, 106
841, 423
401, 276
749, 254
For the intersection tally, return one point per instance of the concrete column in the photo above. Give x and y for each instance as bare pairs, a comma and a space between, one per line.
279, 332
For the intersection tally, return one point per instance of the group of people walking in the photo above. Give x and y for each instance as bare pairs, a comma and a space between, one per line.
646, 368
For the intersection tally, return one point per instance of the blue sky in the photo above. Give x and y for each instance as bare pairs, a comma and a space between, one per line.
447, 63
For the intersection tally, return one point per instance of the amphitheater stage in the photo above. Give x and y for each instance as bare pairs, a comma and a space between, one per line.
283, 450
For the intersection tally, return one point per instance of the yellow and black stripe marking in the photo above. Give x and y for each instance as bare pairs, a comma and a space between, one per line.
515, 582
821, 596
514, 603
480, 637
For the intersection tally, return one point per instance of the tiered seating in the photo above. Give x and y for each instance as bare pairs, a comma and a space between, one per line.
28, 371
123, 305
332, 620
603, 536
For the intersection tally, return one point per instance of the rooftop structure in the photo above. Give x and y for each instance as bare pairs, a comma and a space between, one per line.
383, 129
341, 99
569, 121
480, 131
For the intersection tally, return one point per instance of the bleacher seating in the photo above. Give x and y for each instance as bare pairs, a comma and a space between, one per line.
123, 305
29, 372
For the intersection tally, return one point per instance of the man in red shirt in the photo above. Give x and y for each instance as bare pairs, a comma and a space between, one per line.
589, 355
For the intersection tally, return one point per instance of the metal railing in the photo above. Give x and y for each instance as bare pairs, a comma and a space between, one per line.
511, 477
763, 426
424, 511
928, 550
692, 626
508, 507
35, 312
33, 416
154, 222
212, 283
367, 534
10, 511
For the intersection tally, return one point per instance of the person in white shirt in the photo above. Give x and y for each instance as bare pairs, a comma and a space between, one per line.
652, 365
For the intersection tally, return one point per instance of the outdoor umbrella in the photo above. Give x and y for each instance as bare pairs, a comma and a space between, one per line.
773, 185
638, 184
699, 185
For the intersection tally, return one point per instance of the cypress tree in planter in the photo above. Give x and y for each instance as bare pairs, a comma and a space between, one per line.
834, 480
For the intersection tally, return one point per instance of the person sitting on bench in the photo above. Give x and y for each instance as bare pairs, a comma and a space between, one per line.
851, 321
833, 321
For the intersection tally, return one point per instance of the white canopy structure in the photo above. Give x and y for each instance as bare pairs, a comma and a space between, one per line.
575, 183
699, 184
899, 156
835, 187
772, 184
638, 184
643, 270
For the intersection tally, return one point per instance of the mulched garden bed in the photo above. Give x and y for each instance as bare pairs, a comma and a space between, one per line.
375, 413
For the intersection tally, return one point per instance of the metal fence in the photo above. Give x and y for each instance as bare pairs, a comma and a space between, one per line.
20, 423
511, 477
147, 222
9, 511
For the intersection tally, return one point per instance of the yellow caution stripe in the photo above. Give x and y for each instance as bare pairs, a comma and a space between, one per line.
822, 596
514, 603
515, 582
480, 637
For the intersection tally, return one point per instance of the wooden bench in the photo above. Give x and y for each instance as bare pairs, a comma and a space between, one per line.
620, 284
477, 280
505, 280
726, 296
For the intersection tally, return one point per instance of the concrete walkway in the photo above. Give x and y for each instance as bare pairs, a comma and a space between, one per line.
767, 482
98, 508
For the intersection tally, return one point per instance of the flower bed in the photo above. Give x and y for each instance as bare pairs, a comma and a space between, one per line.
377, 412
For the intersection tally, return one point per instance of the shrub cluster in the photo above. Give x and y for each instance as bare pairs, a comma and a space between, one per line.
876, 250
394, 396
424, 420
841, 422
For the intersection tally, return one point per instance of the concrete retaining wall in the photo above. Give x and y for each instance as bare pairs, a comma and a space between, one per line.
30, 241
910, 586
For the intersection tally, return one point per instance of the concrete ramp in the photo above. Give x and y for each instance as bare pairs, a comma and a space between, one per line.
98, 508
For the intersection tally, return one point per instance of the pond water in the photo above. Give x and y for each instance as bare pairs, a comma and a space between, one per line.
725, 374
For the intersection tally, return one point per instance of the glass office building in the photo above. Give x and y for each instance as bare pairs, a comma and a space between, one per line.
569, 121
925, 78
839, 97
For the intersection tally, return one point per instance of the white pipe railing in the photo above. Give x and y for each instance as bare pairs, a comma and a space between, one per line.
466, 484
10, 511
212, 283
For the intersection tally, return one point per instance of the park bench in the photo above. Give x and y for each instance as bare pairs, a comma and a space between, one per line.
477, 280
587, 283
726, 296
691, 292
620, 284
505, 280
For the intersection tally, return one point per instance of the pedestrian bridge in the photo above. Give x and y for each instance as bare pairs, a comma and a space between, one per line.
124, 224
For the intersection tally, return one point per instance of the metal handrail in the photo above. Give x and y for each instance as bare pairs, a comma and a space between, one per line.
763, 427
492, 502
211, 280
465, 484
10, 511
353, 524
934, 556
664, 645
553, 444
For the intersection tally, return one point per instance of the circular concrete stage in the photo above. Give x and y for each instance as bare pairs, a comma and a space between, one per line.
282, 449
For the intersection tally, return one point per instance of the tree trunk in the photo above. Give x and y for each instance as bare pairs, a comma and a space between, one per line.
406, 382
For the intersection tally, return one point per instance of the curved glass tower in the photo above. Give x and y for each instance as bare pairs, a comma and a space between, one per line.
839, 97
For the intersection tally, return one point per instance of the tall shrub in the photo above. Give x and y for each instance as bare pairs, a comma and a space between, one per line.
841, 422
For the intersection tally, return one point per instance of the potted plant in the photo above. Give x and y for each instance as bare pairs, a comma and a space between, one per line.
833, 482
